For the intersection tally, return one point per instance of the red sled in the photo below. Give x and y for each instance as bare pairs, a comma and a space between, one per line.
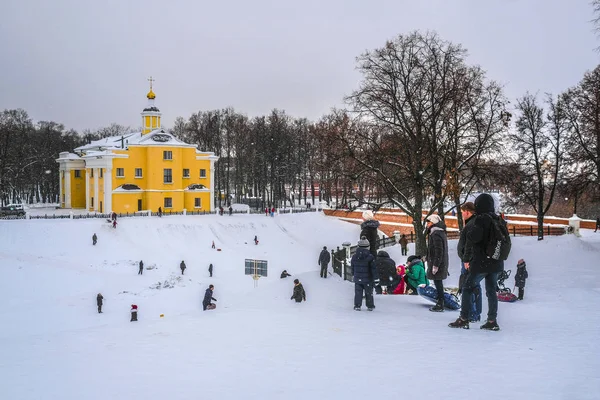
507, 297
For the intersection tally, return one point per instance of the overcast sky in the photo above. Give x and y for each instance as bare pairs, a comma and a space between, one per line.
85, 63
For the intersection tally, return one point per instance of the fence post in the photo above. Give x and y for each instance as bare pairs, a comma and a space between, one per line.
514, 231
397, 236
184, 211
531, 230
412, 239
346, 255
71, 214
548, 230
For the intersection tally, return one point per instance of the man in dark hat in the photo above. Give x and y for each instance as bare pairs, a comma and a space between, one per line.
324, 259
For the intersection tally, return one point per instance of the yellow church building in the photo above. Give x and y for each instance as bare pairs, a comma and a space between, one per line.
139, 171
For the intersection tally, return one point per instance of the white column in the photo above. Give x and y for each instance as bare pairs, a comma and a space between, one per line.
60, 187
212, 185
68, 188
96, 181
87, 189
108, 191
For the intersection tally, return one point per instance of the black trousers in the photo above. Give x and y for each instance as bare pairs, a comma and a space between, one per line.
141, 271
210, 272
367, 289
182, 269
133, 316
521, 293
99, 308
409, 286
323, 270
405, 251
439, 287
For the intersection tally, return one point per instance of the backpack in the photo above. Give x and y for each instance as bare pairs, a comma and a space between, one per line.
498, 246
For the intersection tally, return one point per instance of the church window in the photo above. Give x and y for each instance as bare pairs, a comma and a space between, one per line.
168, 202
77, 173
167, 155
202, 173
138, 172
197, 202
168, 175
120, 172
186, 173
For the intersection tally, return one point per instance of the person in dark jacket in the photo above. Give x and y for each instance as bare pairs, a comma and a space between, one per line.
94, 239
134, 313
159, 211
182, 267
210, 269
99, 299
437, 258
365, 275
520, 277
386, 270
480, 266
368, 229
208, 296
141, 270
284, 274
465, 254
324, 259
403, 244
299, 294
230, 210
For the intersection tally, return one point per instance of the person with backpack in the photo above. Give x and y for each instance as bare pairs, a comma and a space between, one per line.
520, 277
365, 275
465, 254
324, 259
437, 258
490, 242
415, 274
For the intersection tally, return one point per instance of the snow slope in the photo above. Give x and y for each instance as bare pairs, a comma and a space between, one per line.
258, 343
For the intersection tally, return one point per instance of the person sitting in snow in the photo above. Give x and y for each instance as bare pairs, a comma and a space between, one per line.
401, 286
182, 266
386, 269
99, 299
415, 274
134, 311
208, 296
299, 294
520, 277
284, 274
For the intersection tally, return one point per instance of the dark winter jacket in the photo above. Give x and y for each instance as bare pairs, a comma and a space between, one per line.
479, 236
437, 252
363, 266
182, 265
386, 267
99, 299
210, 268
299, 294
324, 257
465, 247
208, 297
141, 265
403, 241
415, 274
284, 274
368, 229
521, 276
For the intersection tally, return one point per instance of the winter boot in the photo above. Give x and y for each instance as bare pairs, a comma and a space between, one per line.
356, 308
490, 326
439, 306
371, 308
459, 323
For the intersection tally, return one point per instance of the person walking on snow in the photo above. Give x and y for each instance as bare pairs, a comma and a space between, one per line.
368, 229
365, 275
208, 296
437, 258
134, 313
230, 210
404, 244
597, 224
299, 294
324, 259
481, 267
182, 266
159, 212
210, 269
99, 299
141, 270
255, 239
213, 244
520, 277
94, 239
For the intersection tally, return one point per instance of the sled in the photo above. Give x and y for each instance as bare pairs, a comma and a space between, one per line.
211, 306
506, 296
451, 302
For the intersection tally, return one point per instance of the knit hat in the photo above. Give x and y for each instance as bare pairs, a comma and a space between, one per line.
434, 219
367, 215
363, 242
412, 258
296, 281
521, 263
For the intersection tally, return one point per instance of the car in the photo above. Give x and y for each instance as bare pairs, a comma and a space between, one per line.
12, 210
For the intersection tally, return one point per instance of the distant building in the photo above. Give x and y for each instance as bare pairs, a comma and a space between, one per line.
138, 171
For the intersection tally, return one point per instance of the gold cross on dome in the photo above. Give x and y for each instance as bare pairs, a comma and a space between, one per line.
151, 80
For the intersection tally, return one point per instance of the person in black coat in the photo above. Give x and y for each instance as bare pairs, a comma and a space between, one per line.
324, 259
94, 239
284, 274
386, 270
466, 254
597, 224
365, 275
141, 269
437, 258
298, 294
210, 269
182, 267
480, 266
208, 296
520, 277
99, 299
368, 229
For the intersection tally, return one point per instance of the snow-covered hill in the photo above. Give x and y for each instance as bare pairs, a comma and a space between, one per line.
258, 343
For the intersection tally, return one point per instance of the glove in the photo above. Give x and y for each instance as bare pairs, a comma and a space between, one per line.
435, 270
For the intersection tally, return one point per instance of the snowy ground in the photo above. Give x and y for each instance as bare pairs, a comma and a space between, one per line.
260, 345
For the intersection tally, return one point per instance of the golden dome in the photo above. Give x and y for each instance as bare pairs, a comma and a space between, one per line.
151, 95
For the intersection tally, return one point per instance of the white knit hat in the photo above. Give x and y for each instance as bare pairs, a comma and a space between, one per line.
434, 219
368, 215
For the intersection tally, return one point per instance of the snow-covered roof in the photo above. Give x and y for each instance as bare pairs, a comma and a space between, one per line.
65, 155
158, 137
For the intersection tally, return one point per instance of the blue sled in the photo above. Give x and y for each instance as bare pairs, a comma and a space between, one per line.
429, 293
